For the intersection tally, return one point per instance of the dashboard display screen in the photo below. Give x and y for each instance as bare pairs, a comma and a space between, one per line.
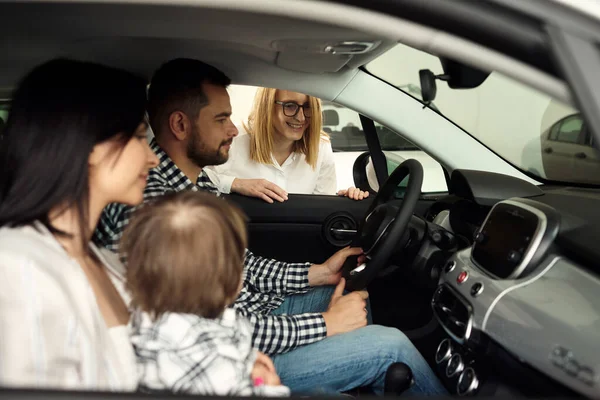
504, 239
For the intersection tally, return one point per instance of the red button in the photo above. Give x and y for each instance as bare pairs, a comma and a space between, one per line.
462, 277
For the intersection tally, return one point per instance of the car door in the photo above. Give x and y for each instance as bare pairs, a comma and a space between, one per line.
561, 147
587, 159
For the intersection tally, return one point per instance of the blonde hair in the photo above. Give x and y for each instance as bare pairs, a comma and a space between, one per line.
261, 130
185, 254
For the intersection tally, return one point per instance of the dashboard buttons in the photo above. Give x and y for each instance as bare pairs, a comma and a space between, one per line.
462, 277
450, 265
476, 289
479, 237
514, 256
444, 351
455, 366
467, 382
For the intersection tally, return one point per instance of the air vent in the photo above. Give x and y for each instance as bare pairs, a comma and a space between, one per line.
454, 315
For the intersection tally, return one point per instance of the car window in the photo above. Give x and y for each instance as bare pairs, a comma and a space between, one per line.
347, 136
567, 130
345, 130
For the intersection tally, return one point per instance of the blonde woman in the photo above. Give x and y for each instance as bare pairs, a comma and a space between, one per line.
282, 151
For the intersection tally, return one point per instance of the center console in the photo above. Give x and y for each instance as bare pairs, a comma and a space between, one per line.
509, 249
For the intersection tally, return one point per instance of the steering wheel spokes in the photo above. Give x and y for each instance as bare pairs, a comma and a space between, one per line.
384, 225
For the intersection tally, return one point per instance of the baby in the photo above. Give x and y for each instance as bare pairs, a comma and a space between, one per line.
185, 256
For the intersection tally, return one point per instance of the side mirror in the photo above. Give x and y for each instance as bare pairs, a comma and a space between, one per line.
363, 173
365, 178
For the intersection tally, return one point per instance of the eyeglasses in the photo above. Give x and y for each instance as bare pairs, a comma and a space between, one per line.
290, 109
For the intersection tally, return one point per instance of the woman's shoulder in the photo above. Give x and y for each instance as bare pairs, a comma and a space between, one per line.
26, 252
27, 242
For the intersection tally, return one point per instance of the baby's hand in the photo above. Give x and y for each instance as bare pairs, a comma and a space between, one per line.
264, 372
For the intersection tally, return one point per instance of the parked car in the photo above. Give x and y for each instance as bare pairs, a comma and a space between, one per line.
567, 150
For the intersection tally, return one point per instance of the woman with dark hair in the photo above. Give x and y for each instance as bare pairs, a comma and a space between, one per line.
75, 141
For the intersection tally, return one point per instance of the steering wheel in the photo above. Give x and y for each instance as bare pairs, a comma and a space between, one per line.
384, 225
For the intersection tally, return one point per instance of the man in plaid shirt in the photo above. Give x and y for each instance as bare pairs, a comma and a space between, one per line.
318, 338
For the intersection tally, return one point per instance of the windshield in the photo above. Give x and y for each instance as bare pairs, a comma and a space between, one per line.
529, 129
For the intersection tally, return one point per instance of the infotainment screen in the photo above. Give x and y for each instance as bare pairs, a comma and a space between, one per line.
504, 239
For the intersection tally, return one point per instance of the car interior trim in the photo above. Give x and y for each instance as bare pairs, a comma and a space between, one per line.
517, 286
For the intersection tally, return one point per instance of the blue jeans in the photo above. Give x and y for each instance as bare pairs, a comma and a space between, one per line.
355, 359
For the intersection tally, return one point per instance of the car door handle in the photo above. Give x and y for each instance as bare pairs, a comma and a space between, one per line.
548, 150
580, 155
340, 233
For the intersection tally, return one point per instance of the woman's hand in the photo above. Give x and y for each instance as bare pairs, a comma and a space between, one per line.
354, 193
264, 371
261, 188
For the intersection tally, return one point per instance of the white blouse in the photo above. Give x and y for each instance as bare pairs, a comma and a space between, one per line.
294, 176
52, 334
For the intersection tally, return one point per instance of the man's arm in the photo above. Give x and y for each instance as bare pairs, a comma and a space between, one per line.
276, 334
271, 276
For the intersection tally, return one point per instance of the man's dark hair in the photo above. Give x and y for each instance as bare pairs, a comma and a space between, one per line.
178, 86
59, 112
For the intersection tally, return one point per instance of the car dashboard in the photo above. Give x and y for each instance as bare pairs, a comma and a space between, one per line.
515, 288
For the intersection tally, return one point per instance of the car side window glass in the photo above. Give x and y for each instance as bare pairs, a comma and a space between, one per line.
569, 130
348, 142
554, 131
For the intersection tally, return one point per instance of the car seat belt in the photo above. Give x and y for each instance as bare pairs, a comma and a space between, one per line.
377, 156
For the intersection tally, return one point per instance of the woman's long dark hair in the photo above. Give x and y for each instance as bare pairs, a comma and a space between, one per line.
59, 112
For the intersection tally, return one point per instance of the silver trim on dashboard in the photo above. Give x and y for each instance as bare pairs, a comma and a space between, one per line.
446, 356
459, 368
514, 287
538, 235
472, 386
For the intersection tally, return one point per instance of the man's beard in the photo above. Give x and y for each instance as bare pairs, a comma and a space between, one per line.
201, 155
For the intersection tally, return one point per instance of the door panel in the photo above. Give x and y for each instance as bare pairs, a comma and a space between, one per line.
293, 231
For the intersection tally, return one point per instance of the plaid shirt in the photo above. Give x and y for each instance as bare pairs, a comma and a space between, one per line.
188, 354
266, 281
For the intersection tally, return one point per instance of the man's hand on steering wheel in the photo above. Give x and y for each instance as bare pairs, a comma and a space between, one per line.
330, 272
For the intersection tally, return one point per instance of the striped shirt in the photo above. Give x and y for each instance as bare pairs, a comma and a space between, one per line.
52, 334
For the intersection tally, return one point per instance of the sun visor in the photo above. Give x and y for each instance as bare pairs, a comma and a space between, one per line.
319, 56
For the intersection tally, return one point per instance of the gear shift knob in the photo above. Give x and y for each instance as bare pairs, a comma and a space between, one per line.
398, 379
